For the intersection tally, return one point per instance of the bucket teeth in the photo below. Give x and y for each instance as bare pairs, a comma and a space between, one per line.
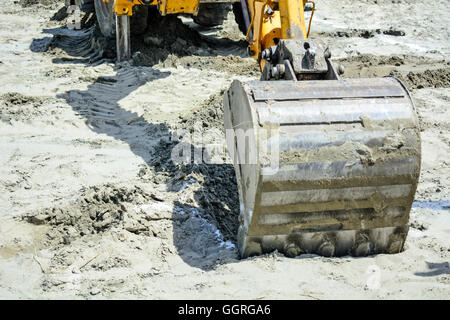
292, 250
326, 167
362, 245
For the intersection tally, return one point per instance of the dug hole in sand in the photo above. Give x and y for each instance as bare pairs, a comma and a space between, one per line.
92, 207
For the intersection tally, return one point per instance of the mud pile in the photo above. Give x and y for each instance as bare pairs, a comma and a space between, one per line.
209, 115
439, 78
19, 107
164, 36
97, 209
218, 194
232, 64
362, 33
366, 60
415, 72
28, 3
15, 99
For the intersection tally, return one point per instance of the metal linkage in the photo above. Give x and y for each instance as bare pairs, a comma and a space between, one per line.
123, 38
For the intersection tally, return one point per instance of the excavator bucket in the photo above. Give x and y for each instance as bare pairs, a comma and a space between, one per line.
327, 167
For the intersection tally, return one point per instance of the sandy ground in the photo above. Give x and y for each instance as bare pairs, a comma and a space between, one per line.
90, 206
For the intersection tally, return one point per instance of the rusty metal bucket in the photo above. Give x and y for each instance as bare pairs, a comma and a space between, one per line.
328, 167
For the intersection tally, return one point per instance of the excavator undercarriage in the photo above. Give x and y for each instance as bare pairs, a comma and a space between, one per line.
323, 165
